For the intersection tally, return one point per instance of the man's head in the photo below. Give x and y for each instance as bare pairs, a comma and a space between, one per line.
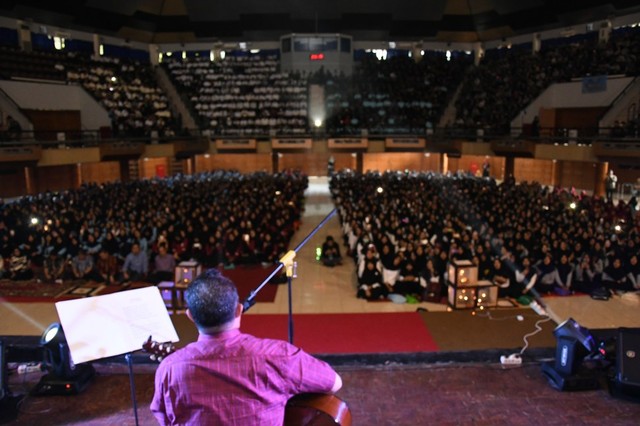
212, 301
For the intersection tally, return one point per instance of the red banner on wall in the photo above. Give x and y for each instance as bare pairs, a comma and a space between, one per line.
161, 170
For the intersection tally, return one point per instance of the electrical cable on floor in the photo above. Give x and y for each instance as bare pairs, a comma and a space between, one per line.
533, 333
515, 360
488, 315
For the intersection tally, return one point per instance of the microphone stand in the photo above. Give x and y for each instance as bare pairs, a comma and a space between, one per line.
287, 262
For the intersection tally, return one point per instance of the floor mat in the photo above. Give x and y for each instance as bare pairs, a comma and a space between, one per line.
85, 289
346, 333
464, 330
246, 278
33, 291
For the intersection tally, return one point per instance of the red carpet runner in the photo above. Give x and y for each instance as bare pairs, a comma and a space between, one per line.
346, 333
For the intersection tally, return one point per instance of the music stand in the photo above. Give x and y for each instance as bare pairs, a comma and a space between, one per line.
115, 324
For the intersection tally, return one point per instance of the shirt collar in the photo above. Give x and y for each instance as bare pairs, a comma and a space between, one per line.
223, 335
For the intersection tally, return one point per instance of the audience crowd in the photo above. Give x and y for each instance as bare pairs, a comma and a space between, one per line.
507, 80
248, 94
127, 90
139, 230
403, 229
394, 96
130, 93
243, 95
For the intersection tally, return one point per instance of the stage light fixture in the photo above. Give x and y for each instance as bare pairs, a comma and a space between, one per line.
573, 344
64, 377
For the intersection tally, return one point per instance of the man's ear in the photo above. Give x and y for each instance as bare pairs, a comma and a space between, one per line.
188, 312
239, 310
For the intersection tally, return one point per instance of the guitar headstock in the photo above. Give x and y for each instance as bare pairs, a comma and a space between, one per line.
158, 351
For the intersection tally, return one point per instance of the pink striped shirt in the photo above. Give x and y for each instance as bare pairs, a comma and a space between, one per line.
233, 378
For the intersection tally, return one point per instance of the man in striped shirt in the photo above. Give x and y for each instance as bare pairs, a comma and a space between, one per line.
228, 377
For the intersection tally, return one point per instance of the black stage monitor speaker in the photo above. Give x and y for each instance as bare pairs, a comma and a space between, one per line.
8, 402
627, 377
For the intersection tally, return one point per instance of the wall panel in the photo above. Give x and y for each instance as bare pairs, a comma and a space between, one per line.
579, 175
314, 163
107, 171
55, 178
529, 169
417, 161
13, 182
47, 124
244, 163
154, 167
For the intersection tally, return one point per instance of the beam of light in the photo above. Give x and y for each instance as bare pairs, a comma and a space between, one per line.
19, 312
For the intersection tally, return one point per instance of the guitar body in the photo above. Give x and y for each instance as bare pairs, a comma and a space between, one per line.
316, 409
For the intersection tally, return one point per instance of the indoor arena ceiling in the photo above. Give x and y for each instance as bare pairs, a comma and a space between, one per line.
169, 21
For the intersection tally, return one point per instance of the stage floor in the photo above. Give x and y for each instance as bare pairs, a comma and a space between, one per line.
442, 394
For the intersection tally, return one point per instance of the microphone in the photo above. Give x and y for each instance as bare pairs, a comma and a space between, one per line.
540, 307
249, 302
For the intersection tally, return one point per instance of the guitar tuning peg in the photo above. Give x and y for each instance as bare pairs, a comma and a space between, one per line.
153, 357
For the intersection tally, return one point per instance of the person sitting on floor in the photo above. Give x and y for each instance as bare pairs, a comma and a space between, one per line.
54, 268
391, 263
565, 275
634, 271
136, 265
330, 253
164, 266
409, 282
615, 277
431, 282
587, 278
501, 277
82, 266
370, 284
547, 276
525, 277
107, 267
19, 266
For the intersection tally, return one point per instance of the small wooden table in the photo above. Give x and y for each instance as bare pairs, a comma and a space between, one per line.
173, 296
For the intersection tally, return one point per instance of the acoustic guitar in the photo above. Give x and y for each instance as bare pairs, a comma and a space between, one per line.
307, 409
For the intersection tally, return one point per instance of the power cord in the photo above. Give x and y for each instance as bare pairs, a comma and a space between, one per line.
515, 359
533, 333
